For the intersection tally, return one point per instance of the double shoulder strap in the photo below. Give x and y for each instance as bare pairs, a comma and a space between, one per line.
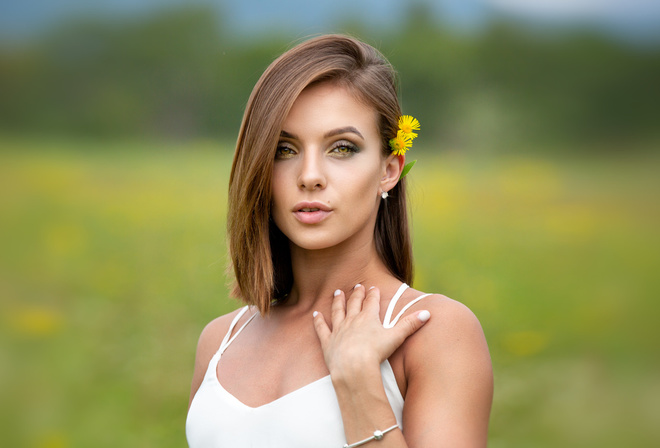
388, 322
228, 339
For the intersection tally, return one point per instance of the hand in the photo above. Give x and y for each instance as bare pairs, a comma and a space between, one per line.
358, 339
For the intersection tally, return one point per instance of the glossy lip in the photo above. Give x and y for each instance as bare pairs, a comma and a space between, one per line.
314, 217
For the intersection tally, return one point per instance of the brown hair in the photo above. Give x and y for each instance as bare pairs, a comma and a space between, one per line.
259, 251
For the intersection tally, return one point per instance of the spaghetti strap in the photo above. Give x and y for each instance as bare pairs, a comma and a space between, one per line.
398, 316
390, 308
227, 340
387, 321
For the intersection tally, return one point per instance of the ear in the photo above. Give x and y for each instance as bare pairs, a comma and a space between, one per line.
392, 171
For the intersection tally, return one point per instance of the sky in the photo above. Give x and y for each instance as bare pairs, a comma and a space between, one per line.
622, 15
636, 18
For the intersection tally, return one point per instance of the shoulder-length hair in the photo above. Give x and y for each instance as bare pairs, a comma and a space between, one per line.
259, 251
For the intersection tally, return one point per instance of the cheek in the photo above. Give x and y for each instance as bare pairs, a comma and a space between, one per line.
363, 180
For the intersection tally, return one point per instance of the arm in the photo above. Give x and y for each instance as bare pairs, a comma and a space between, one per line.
450, 380
447, 369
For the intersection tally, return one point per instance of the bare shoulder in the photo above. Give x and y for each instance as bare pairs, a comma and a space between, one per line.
214, 331
208, 345
452, 335
449, 316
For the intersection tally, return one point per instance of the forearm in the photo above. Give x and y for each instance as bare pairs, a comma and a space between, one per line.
364, 406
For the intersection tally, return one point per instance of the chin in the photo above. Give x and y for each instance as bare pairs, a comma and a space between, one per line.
313, 244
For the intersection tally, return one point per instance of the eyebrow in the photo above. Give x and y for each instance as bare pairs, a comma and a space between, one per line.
286, 134
344, 130
347, 129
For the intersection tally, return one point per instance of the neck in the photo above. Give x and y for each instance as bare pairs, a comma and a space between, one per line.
317, 274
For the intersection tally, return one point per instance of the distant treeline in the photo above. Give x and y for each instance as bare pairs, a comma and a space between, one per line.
179, 75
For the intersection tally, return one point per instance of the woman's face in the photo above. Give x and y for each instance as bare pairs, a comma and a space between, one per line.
329, 170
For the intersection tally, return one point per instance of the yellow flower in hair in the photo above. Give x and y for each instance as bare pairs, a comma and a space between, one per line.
401, 143
408, 124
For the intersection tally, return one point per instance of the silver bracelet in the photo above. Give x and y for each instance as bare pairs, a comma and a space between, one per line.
377, 436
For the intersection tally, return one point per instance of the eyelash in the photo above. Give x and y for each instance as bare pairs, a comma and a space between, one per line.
283, 146
290, 152
344, 144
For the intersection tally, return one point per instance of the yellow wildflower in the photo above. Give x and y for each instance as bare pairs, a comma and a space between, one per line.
401, 143
408, 124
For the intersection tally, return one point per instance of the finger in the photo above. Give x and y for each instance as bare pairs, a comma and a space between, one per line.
410, 324
321, 327
354, 302
372, 300
338, 308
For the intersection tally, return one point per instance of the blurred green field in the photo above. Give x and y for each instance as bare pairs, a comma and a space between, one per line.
113, 259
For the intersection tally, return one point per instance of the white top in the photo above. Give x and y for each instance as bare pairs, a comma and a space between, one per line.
307, 417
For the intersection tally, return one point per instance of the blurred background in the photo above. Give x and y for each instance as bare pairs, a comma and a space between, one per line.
535, 201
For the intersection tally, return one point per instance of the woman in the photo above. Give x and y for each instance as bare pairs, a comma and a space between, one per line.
333, 349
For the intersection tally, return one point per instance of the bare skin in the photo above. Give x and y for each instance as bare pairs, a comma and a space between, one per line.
441, 364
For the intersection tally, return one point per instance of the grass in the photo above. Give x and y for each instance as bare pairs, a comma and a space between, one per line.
113, 259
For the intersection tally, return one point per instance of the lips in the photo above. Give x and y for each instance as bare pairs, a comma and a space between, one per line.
311, 212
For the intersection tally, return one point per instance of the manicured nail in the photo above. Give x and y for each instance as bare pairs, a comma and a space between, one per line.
424, 316
357, 286
337, 292
315, 313
371, 288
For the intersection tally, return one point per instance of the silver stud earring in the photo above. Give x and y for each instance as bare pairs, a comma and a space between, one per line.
384, 194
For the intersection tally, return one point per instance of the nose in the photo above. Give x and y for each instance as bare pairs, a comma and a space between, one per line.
311, 176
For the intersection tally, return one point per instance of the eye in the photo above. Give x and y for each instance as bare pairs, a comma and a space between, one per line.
343, 148
284, 151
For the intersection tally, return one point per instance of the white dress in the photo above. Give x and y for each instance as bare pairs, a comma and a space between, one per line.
307, 417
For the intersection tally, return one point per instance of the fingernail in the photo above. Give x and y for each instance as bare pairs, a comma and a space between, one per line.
357, 286
337, 292
315, 313
424, 316
371, 288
